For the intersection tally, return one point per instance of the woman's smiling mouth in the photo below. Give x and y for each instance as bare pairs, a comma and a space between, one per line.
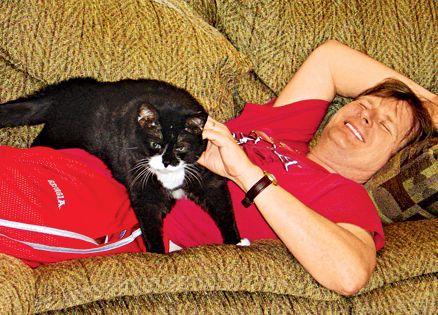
354, 131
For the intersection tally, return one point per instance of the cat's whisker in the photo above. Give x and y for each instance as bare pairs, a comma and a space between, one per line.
193, 173
136, 178
137, 169
143, 177
141, 170
143, 163
188, 178
146, 177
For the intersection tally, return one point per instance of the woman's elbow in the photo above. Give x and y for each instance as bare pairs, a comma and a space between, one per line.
350, 283
330, 44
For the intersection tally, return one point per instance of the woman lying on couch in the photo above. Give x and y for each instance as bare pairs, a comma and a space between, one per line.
318, 208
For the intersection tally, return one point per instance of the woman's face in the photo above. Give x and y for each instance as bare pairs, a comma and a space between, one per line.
362, 136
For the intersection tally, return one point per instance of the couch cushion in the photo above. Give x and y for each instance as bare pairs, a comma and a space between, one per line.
406, 188
17, 286
46, 42
265, 268
278, 35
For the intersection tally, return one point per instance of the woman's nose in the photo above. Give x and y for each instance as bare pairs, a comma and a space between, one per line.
367, 117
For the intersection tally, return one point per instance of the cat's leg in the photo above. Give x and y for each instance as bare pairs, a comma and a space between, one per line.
214, 197
43, 139
150, 208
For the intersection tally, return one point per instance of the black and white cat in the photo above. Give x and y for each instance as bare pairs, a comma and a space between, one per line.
148, 132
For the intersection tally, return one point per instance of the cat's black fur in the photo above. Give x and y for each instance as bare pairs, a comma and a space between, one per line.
125, 123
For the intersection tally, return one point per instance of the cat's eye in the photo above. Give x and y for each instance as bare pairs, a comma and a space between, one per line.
155, 146
181, 149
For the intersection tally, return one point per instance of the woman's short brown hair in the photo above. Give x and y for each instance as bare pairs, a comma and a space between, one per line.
396, 89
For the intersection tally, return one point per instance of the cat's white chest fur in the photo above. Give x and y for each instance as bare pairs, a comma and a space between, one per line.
171, 177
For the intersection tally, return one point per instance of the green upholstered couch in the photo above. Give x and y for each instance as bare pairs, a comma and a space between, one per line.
225, 53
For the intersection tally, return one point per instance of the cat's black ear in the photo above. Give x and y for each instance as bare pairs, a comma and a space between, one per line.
196, 122
147, 116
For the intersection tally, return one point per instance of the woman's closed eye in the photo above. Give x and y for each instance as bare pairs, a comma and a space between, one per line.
386, 127
384, 124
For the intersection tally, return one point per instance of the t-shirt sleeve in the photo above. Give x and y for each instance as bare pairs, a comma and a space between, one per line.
350, 203
293, 123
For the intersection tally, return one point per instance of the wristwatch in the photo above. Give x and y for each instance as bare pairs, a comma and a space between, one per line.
258, 187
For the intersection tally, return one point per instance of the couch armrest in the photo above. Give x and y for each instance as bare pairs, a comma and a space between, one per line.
264, 268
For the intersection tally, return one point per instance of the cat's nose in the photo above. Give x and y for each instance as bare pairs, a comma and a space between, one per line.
168, 160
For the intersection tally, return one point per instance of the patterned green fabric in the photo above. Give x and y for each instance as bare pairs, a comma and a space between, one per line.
17, 286
225, 279
43, 42
407, 187
46, 42
278, 35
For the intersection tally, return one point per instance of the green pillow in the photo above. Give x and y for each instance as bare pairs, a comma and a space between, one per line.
406, 188
44, 42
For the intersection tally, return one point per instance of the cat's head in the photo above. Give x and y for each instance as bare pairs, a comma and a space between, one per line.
171, 137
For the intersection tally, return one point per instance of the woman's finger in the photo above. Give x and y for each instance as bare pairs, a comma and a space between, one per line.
213, 124
210, 123
216, 137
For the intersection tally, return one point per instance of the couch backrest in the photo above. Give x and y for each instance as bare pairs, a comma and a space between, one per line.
278, 35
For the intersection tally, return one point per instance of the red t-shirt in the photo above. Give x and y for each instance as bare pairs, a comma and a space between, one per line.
331, 195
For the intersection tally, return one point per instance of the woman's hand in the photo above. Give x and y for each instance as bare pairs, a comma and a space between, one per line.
432, 108
225, 157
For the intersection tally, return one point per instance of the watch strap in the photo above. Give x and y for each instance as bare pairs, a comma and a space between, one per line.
257, 188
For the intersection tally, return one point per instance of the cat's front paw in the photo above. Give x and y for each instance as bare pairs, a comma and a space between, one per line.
244, 242
154, 245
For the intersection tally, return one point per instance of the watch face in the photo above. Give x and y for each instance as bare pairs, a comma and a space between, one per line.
271, 178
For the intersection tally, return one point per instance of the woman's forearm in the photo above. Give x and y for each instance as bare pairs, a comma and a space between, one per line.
341, 258
336, 69
354, 71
